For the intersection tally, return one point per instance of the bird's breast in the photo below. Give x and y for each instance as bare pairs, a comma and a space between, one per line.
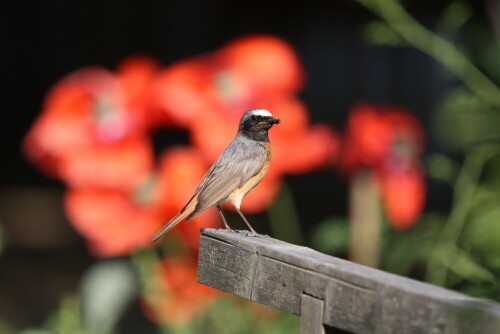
237, 195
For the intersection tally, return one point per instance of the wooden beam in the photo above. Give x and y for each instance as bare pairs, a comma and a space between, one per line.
354, 297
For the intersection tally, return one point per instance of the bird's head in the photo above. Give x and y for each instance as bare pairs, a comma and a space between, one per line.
257, 121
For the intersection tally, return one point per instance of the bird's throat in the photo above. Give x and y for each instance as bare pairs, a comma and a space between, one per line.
260, 135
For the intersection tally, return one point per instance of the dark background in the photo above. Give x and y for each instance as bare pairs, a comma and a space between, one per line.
44, 40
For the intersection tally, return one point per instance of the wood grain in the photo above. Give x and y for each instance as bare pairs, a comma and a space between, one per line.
355, 298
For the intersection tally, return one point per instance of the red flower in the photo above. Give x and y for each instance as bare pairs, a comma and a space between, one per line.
298, 146
371, 133
93, 134
184, 90
240, 76
113, 223
174, 297
208, 95
389, 141
116, 223
120, 166
90, 114
136, 75
404, 196
259, 66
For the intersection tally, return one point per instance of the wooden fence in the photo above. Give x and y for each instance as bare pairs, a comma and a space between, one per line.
325, 290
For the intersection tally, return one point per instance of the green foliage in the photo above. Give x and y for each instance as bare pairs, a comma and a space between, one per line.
5, 328
489, 47
331, 236
284, 219
482, 235
66, 320
380, 33
107, 289
442, 168
231, 315
483, 232
460, 250
453, 17
406, 252
464, 119
466, 267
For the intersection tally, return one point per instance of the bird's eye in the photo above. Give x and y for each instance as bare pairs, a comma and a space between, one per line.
253, 118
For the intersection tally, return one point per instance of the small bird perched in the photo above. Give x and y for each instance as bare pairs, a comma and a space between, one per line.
241, 166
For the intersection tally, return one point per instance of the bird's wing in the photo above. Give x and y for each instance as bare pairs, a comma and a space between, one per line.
237, 164
234, 168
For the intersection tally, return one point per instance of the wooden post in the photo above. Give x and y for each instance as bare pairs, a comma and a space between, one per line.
311, 315
338, 293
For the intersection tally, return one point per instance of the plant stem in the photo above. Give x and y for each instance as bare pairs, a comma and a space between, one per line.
365, 219
394, 14
144, 261
284, 220
465, 187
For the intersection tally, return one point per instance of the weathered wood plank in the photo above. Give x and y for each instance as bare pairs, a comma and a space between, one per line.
356, 298
311, 315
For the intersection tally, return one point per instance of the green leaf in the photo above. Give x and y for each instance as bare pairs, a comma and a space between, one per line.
464, 119
406, 251
442, 168
483, 236
230, 315
65, 320
284, 219
106, 290
466, 267
331, 236
454, 16
5, 328
380, 33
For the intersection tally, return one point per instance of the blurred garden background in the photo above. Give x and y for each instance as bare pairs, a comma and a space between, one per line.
388, 153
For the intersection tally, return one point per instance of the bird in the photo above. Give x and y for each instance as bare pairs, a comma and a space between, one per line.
240, 167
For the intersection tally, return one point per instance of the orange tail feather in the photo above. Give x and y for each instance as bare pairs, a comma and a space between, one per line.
174, 221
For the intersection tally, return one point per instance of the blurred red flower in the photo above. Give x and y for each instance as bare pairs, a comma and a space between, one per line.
174, 296
89, 116
208, 94
111, 221
120, 166
298, 146
95, 128
389, 141
258, 66
238, 77
404, 195
116, 223
94, 134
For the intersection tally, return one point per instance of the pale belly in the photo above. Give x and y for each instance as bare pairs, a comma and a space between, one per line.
237, 196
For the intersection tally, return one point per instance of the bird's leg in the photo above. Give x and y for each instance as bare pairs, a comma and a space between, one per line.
246, 221
223, 218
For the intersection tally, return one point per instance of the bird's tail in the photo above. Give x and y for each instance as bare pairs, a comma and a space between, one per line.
174, 221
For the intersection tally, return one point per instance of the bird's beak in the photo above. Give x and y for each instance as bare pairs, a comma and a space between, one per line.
270, 121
